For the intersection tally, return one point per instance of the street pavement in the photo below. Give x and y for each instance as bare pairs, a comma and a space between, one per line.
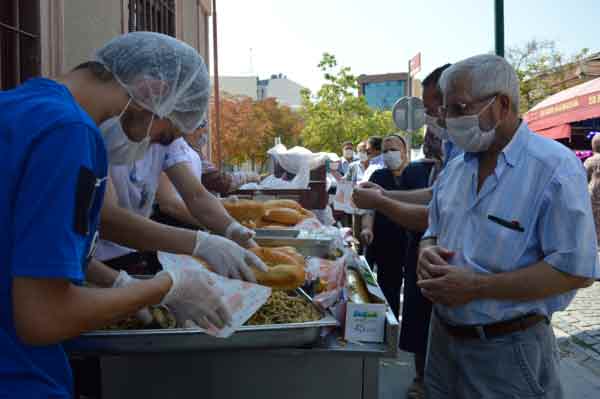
578, 335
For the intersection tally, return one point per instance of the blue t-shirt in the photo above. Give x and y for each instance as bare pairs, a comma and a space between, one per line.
53, 162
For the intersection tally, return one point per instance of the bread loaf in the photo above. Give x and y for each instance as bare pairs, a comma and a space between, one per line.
283, 203
286, 271
285, 216
245, 210
283, 277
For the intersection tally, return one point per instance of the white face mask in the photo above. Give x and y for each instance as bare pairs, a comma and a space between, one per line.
362, 156
122, 150
464, 131
348, 154
393, 160
436, 129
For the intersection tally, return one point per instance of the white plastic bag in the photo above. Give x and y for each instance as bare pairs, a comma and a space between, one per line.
294, 159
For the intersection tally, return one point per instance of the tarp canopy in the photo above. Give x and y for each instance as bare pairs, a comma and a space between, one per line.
557, 132
575, 104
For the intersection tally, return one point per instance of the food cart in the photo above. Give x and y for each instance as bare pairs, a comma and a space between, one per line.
270, 361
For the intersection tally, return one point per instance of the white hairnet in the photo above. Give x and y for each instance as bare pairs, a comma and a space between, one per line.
162, 74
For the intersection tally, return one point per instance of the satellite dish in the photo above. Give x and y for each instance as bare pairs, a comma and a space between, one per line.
408, 114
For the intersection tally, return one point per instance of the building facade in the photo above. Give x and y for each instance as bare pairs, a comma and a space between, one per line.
50, 37
286, 91
382, 91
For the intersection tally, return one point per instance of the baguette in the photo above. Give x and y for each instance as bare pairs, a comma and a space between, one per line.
283, 277
245, 210
286, 270
285, 216
283, 203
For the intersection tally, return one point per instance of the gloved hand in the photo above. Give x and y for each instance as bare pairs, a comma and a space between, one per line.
226, 257
192, 299
240, 234
124, 280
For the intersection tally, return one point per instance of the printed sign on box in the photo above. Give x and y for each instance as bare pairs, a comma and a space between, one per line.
365, 322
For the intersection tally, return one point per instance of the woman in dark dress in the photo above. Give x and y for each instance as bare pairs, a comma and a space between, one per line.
416, 309
385, 239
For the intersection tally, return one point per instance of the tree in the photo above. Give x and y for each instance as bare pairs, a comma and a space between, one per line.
542, 70
248, 128
336, 113
287, 124
243, 129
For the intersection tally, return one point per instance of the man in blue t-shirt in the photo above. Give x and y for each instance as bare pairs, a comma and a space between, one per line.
54, 162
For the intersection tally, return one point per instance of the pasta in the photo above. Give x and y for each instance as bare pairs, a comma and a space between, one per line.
282, 308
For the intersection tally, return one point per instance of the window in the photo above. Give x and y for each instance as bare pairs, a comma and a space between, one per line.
19, 41
152, 15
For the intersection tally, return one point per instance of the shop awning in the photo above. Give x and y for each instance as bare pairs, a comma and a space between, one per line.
578, 103
556, 132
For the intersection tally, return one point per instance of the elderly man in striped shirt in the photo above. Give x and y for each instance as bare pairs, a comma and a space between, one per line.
511, 238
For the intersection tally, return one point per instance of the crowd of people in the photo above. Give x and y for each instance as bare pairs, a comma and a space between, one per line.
490, 233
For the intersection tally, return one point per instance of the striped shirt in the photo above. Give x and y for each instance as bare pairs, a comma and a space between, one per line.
534, 206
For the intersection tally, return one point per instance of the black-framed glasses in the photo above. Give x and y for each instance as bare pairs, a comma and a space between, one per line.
461, 109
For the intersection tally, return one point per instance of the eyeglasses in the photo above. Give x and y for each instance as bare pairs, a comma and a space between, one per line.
461, 109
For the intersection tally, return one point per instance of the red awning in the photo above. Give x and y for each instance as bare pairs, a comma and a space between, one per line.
578, 103
557, 132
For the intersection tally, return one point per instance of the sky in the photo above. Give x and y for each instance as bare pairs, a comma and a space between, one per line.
265, 37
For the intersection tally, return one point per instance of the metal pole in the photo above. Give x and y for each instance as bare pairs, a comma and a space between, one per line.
219, 160
409, 81
499, 23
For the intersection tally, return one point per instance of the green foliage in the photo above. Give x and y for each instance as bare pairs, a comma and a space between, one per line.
542, 70
336, 113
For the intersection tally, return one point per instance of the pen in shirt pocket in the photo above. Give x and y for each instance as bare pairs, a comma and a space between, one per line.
513, 225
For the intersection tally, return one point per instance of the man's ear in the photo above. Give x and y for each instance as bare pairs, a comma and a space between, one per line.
505, 105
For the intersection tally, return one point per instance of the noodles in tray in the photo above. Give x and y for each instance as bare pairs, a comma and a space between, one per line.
282, 308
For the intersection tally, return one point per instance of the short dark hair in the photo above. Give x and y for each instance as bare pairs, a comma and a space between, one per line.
97, 69
375, 142
347, 143
434, 77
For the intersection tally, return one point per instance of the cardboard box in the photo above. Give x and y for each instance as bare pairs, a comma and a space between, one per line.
365, 322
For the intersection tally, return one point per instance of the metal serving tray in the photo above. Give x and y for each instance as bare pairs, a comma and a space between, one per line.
190, 339
276, 233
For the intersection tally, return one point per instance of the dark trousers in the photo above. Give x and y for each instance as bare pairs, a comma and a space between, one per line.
389, 277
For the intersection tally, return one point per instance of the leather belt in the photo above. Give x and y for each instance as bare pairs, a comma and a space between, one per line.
493, 330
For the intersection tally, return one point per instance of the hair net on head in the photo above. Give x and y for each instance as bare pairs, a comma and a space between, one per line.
162, 74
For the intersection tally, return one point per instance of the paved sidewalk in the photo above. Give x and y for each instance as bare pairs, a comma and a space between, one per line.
578, 328
577, 331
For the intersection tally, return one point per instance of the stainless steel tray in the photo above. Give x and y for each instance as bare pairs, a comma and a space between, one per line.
189, 339
276, 233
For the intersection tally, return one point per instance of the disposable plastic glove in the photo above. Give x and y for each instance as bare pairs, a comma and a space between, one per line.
240, 234
226, 257
124, 280
192, 298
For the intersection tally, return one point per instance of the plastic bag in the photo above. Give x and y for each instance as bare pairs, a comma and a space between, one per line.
294, 159
332, 275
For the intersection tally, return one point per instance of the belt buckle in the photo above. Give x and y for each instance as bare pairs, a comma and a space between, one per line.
481, 332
